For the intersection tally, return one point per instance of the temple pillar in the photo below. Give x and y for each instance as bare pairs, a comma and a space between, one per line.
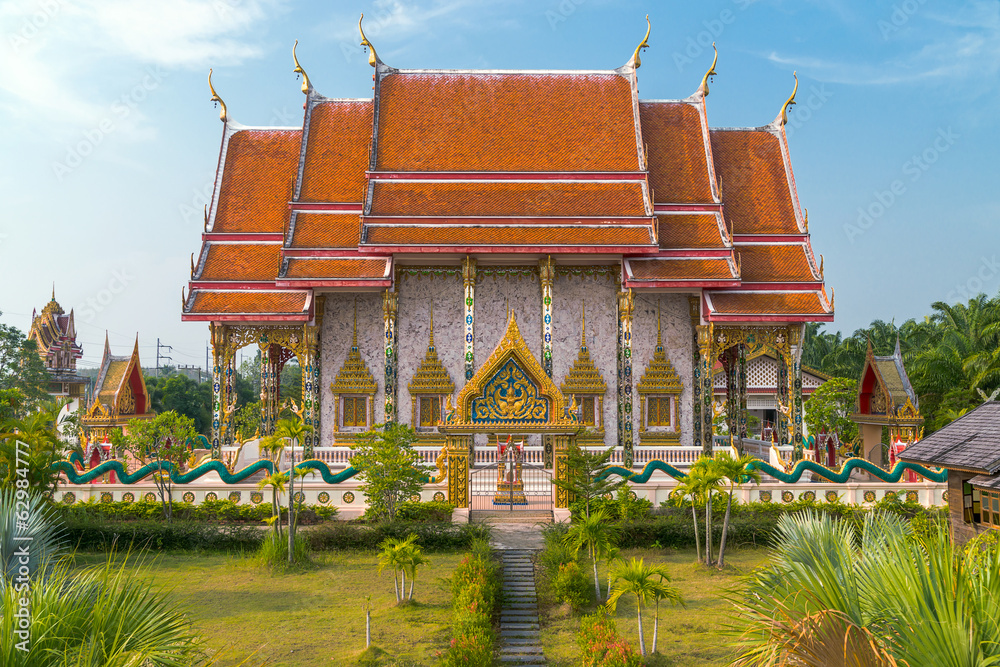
546, 279
742, 388
309, 362
390, 307
217, 334
795, 341
703, 386
226, 424
458, 447
561, 446
469, 281
626, 307
267, 415
782, 420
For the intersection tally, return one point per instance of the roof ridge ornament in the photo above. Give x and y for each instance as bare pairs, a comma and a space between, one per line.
306, 85
373, 59
223, 112
782, 118
703, 88
644, 44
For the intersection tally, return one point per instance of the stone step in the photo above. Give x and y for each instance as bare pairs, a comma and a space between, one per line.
523, 634
520, 650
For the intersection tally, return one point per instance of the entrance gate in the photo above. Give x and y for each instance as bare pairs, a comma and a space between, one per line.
500, 487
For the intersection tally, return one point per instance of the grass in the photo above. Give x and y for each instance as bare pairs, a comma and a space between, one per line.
689, 636
313, 615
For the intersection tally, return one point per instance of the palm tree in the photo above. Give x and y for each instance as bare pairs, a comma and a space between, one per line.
645, 582
690, 486
290, 430
663, 591
709, 480
880, 597
735, 471
597, 534
612, 559
395, 554
276, 481
412, 557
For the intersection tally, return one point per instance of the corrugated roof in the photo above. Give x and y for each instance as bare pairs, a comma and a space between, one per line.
971, 443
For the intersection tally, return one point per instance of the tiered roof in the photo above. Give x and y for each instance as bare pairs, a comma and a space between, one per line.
54, 333
506, 162
120, 391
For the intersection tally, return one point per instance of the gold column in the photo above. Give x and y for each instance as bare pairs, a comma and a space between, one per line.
390, 304
703, 389
458, 447
218, 338
469, 280
626, 307
561, 446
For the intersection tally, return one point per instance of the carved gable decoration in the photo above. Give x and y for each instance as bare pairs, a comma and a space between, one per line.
431, 376
354, 376
660, 376
584, 378
510, 391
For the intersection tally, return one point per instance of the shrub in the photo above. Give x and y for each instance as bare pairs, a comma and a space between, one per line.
623, 507
602, 646
214, 511
98, 535
339, 536
476, 594
570, 585
431, 511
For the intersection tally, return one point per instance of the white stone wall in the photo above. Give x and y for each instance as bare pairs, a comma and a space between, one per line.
678, 342
413, 328
335, 342
600, 294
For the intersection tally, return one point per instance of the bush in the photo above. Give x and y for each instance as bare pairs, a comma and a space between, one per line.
209, 510
476, 592
431, 511
339, 536
602, 646
97, 535
621, 508
569, 585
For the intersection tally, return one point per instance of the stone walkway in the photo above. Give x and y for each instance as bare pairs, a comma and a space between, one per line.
519, 641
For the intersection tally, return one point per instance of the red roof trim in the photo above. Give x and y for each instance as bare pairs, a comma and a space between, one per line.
489, 221
561, 249
684, 208
244, 285
784, 287
251, 317
329, 253
262, 237
707, 284
507, 176
327, 207
333, 282
695, 253
769, 239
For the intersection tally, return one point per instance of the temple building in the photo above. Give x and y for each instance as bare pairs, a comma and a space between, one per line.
627, 243
54, 333
119, 395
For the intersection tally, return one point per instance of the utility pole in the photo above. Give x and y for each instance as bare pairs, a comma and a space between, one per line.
161, 356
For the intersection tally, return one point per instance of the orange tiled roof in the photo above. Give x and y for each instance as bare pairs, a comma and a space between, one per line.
256, 181
632, 235
335, 268
340, 133
715, 268
676, 152
774, 263
326, 230
689, 230
623, 199
241, 261
210, 302
755, 188
767, 303
506, 122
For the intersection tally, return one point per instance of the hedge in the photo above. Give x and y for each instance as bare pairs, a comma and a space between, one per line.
339, 536
208, 510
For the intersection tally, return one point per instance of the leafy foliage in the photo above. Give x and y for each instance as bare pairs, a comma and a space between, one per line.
160, 440
389, 467
21, 367
582, 476
475, 599
602, 646
830, 407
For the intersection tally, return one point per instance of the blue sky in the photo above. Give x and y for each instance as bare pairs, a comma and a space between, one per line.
110, 143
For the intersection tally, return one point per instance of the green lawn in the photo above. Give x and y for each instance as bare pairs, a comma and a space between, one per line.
309, 618
689, 636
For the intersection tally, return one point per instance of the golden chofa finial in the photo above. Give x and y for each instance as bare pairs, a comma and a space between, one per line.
223, 113
184, 301
306, 86
644, 44
821, 266
703, 88
372, 56
783, 116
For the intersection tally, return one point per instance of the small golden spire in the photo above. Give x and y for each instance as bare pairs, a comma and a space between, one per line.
192, 265
644, 44
306, 86
431, 344
372, 56
833, 293
354, 338
583, 326
821, 266
206, 217
703, 88
806, 220
659, 334
223, 113
53, 290
783, 116
183, 304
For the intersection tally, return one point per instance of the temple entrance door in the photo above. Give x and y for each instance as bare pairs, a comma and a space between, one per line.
509, 486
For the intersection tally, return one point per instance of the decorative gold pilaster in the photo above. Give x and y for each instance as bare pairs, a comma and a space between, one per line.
469, 281
626, 307
458, 446
547, 278
703, 389
390, 303
561, 446
310, 379
218, 338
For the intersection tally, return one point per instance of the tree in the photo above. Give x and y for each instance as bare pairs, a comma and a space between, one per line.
645, 582
584, 479
595, 532
830, 408
276, 481
708, 480
400, 555
163, 442
247, 421
29, 446
21, 367
735, 471
389, 467
290, 431
290, 386
690, 486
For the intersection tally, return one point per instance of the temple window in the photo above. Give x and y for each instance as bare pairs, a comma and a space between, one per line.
428, 413
354, 414
660, 412
430, 384
659, 392
588, 415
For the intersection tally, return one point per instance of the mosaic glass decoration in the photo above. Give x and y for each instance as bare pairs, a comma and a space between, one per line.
348, 497
438, 497
69, 498
128, 497
787, 496
234, 497
869, 496
323, 497
300, 497
912, 497
808, 496
765, 496
832, 496
211, 495
149, 497
107, 497
256, 497
188, 497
